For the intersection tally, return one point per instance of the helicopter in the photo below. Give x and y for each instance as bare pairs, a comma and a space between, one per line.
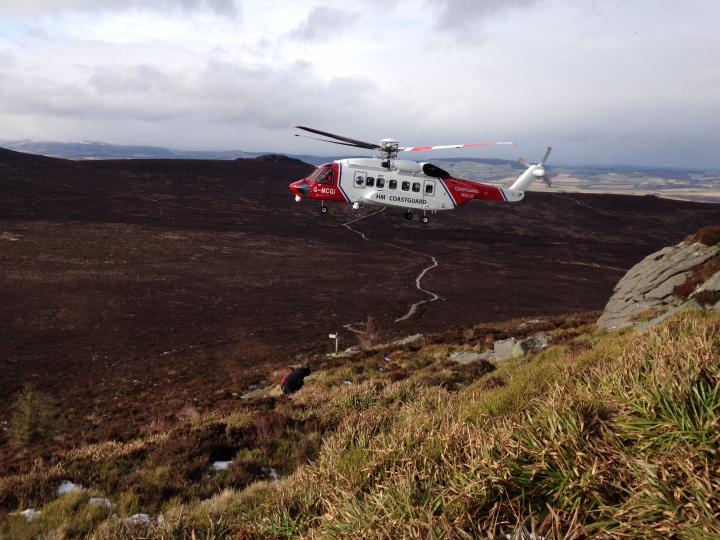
414, 186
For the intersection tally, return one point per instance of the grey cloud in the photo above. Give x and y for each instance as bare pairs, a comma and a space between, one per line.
321, 23
7, 59
221, 7
276, 98
219, 93
141, 78
468, 16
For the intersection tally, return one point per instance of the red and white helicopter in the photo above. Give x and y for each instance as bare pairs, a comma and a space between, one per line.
388, 181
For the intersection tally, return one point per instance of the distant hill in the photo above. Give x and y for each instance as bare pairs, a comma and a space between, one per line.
11, 155
80, 150
668, 182
96, 150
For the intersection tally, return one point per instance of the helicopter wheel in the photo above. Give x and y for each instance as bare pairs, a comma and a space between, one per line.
424, 220
408, 215
323, 209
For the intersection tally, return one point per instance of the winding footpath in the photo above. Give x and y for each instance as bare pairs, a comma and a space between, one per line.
432, 297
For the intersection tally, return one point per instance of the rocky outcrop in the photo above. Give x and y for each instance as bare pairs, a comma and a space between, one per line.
504, 349
664, 282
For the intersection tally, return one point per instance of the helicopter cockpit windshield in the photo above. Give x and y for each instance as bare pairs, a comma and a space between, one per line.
322, 175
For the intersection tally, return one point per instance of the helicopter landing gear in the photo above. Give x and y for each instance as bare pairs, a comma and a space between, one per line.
424, 220
323, 208
408, 215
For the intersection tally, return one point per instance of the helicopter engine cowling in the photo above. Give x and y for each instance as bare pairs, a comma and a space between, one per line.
408, 167
413, 167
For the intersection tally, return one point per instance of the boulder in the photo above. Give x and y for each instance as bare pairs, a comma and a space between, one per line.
487, 355
532, 344
649, 285
465, 357
504, 349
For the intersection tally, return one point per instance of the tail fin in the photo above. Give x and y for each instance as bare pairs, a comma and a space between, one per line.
532, 173
525, 180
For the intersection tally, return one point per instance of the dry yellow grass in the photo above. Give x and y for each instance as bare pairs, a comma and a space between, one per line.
607, 436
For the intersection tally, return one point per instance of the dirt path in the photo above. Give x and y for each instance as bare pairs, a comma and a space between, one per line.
434, 263
432, 298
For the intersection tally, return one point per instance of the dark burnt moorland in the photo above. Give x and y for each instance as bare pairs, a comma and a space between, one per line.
131, 289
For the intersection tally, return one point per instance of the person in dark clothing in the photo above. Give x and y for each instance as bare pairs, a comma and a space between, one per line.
294, 379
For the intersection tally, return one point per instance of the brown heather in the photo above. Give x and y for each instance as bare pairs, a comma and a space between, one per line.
605, 436
710, 236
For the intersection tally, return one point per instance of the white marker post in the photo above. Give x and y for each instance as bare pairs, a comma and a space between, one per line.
336, 337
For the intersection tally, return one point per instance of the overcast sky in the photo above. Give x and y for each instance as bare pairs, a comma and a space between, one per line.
604, 81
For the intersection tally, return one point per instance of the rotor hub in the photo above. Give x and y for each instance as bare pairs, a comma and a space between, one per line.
389, 148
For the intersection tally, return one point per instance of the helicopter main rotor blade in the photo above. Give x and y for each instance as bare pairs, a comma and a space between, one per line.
352, 142
448, 146
333, 142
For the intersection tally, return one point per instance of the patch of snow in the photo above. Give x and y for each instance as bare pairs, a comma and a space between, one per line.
221, 465
138, 519
347, 382
100, 501
407, 340
69, 487
30, 514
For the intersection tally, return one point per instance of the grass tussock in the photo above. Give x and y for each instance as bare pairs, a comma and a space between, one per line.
604, 435
34, 417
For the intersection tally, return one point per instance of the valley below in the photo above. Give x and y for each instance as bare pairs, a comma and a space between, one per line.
134, 288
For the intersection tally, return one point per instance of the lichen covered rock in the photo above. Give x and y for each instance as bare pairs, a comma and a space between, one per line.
659, 284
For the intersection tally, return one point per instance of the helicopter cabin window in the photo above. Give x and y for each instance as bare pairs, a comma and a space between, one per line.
428, 189
380, 182
359, 179
405, 186
416, 187
370, 181
325, 177
392, 184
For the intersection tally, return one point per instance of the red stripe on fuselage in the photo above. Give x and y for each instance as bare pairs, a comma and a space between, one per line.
463, 191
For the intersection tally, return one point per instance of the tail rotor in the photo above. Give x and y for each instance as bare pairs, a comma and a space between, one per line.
534, 171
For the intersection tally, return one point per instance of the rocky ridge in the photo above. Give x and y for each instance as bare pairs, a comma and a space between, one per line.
675, 277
